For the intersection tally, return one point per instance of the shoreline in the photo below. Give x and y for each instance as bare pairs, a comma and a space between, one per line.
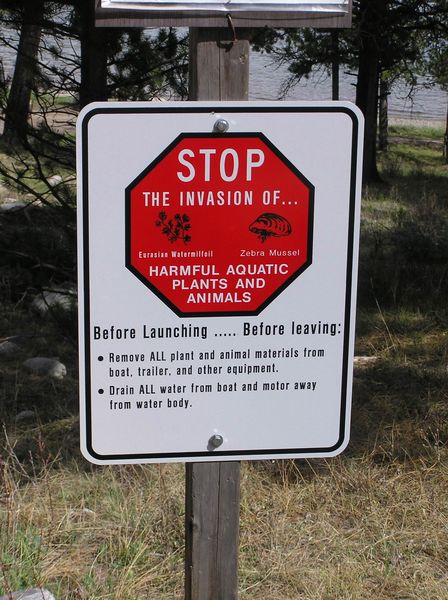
419, 121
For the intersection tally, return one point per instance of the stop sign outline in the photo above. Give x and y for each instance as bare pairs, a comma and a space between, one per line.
159, 159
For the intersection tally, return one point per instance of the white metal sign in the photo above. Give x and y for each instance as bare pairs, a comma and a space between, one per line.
218, 249
322, 6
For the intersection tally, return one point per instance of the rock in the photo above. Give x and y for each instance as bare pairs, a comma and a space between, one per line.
25, 416
4, 189
55, 179
8, 348
62, 298
12, 206
31, 594
365, 362
46, 366
70, 180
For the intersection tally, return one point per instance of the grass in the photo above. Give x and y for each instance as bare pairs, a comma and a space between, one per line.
346, 528
417, 132
53, 100
350, 529
101, 534
371, 524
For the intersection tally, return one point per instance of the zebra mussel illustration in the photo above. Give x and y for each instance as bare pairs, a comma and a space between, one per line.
269, 225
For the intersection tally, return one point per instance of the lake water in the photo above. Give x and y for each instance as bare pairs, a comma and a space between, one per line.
266, 80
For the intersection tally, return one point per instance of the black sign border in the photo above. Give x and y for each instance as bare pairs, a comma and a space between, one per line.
214, 455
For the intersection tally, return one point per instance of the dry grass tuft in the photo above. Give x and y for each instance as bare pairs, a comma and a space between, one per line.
107, 533
353, 530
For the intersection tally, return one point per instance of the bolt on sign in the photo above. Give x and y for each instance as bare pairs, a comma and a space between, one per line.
218, 251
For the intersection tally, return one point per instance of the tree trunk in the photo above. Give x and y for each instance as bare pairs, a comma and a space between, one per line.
18, 105
372, 19
335, 65
367, 101
445, 139
383, 136
93, 56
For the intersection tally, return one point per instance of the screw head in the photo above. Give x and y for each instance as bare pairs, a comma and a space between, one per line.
216, 440
221, 126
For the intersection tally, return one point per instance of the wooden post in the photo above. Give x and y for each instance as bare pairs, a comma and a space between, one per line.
219, 64
212, 530
219, 70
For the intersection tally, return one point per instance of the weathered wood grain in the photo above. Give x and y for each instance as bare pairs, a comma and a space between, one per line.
219, 70
212, 530
219, 66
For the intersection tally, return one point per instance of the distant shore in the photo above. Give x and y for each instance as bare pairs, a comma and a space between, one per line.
417, 121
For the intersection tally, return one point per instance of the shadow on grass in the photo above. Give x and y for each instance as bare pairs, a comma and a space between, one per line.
399, 412
404, 245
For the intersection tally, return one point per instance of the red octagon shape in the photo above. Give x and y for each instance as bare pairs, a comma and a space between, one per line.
219, 224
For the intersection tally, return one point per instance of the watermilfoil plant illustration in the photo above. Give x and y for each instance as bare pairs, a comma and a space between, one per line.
177, 228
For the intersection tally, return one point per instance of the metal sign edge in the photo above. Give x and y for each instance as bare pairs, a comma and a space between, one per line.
83, 269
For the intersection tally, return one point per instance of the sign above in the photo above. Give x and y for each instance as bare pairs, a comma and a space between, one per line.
215, 13
217, 278
320, 6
